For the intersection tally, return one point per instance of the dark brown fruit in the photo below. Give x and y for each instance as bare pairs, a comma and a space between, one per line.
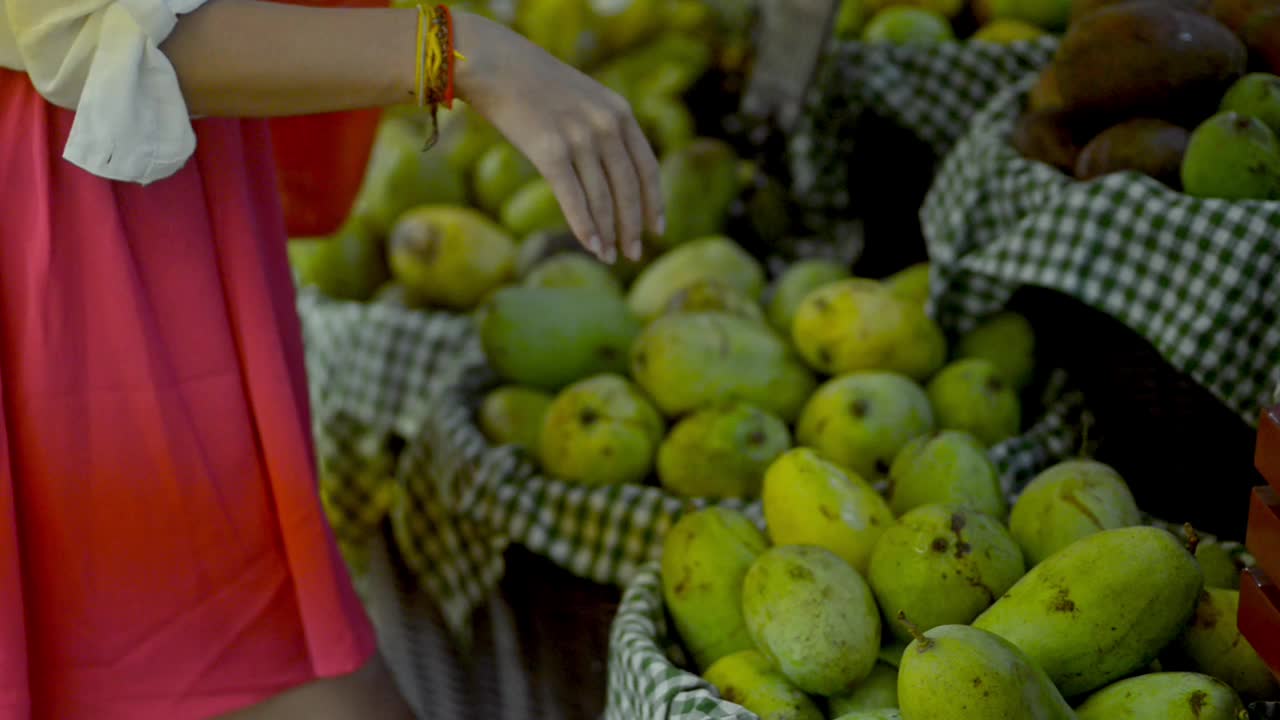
1147, 145
1045, 94
1081, 8
1235, 14
1147, 58
1050, 137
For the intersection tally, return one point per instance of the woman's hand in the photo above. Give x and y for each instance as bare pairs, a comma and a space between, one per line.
580, 135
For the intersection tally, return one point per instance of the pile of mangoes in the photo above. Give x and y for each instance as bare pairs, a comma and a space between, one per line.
907, 22
1160, 87
936, 603
700, 373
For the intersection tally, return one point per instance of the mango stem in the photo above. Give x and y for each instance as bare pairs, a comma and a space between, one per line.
1086, 421
1193, 539
924, 642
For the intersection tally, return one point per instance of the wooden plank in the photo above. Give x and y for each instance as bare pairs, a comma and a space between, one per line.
791, 36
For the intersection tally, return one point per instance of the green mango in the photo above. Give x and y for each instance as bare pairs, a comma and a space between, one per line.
623, 26
809, 501
813, 616
891, 651
862, 420
450, 256
667, 123
705, 557
1067, 502
911, 283
880, 714
349, 265
850, 18
1164, 696
1101, 608
533, 208
721, 452
401, 176
558, 26
500, 172
748, 679
691, 361
794, 284
1255, 95
513, 415
957, 672
903, 25
546, 338
942, 565
542, 246
1233, 157
714, 296
710, 258
600, 431
972, 395
700, 182
858, 324
1007, 341
878, 691
465, 136
572, 270
669, 65
947, 468
1214, 645
1220, 569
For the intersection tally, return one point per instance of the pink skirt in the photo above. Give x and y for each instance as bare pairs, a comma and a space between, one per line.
163, 550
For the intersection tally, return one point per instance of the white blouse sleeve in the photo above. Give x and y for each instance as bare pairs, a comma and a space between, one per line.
102, 58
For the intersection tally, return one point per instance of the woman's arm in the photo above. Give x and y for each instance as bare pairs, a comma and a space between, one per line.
251, 58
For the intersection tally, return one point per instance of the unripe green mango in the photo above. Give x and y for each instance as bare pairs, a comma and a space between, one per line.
809, 501
948, 468
881, 714
1164, 696
714, 296
513, 415
1214, 645
572, 270
1067, 502
600, 431
747, 678
971, 395
879, 691
942, 565
705, 557
1101, 608
813, 616
958, 672
699, 185
1007, 341
709, 258
547, 338
690, 361
721, 452
794, 284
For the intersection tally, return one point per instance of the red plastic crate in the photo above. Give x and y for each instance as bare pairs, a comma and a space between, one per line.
1259, 619
1267, 455
1263, 538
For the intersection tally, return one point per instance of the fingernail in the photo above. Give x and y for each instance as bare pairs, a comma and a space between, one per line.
610, 253
593, 244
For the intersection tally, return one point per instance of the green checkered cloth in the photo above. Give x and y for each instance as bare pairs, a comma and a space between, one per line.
932, 90
1195, 277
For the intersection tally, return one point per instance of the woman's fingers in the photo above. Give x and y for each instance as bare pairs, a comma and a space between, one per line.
559, 170
592, 178
625, 186
646, 167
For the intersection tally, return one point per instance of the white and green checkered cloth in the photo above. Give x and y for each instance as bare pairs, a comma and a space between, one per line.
1196, 278
932, 90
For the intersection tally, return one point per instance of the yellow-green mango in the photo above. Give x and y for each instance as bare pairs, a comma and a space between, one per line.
1164, 696
600, 431
705, 556
794, 284
691, 361
1100, 608
709, 295
573, 270
1006, 31
813, 616
400, 176
809, 501
862, 420
748, 679
349, 265
533, 208
911, 284
558, 26
949, 468
1220, 568
958, 672
710, 258
500, 172
942, 565
972, 395
547, 338
1067, 502
1214, 645
1005, 340
721, 452
859, 324
450, 256
700, 182
513, 415
878, 691
666, 122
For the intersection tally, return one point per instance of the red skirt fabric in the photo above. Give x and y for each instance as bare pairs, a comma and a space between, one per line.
163, 549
